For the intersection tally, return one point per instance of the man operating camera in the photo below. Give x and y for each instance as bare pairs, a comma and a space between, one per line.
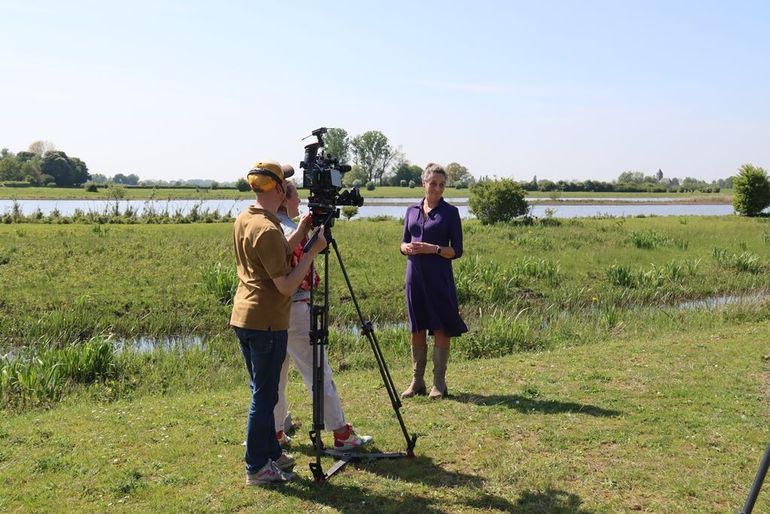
261, 310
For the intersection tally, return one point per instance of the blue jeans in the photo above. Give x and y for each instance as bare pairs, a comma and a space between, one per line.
264, 352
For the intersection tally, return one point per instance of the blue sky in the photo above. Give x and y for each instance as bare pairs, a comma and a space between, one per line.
561, 90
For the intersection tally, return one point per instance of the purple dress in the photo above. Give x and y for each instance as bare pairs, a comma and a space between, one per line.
431, 297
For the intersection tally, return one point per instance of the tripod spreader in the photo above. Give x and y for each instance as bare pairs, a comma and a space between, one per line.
319, 339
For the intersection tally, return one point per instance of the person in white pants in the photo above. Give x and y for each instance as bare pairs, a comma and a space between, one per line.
299, 348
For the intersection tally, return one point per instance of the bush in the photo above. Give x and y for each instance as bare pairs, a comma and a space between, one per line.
357, 183
402, 182
370, 186
349, 211
751, 191
498, 201
412, 183
90, 187
242, 185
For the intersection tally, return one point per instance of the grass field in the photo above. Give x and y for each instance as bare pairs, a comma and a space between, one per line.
671, 424
583, 386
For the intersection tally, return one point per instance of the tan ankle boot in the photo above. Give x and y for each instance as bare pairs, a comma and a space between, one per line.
440, 359
419, 360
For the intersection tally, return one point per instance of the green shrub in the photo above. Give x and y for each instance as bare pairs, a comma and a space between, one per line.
90, 187
498, 201
349, 211
242, 185
370, 186
751, 191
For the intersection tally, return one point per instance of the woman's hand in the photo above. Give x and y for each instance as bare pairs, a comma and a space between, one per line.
419, 248
305, 222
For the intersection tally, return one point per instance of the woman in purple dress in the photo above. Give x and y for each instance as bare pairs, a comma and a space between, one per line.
432, 238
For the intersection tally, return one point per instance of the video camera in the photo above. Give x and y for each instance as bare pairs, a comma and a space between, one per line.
323, 177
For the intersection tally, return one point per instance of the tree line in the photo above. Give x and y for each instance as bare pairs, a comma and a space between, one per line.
41, 165
375, 162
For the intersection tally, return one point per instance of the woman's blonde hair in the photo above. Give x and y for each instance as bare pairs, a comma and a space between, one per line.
431, 168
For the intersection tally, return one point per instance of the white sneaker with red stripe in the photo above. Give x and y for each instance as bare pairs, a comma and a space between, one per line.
349, 440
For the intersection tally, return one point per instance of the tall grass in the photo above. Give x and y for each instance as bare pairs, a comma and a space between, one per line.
42, 375
221, 281
485, 281
743, 262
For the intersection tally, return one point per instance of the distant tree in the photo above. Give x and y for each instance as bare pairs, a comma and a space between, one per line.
692, 184
726, 183
338, 144
99, 178
128, 180
356, 174
546, 185
10, 169
80, 173
404, 170
458, 174
631, 177
40, 148
751, 191
242, 185
498, 201
56, 164
659, 175
373, 153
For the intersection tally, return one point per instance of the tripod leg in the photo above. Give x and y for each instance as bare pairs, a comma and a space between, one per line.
757, 485
368, 330
319, 338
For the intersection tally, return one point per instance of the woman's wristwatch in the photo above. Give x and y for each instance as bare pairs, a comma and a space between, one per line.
438, 250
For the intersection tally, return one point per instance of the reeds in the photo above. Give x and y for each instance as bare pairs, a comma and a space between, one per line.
41, 375
221, 281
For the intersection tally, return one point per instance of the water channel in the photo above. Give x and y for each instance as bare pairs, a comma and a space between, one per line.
394, 207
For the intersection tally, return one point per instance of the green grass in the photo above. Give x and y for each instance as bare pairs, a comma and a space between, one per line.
581, 386
73, 282
670, 424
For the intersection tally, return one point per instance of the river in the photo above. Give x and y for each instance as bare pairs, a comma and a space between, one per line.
395, 207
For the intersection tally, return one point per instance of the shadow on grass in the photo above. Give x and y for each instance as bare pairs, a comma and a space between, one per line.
551, 501
527, 405
339, 493
344, 496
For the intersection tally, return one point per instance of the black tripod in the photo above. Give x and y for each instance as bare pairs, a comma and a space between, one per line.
757, 485
319, 338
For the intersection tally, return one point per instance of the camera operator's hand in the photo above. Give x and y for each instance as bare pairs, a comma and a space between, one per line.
305, 223
320, 242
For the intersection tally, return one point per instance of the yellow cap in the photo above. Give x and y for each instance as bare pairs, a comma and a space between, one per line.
265, 175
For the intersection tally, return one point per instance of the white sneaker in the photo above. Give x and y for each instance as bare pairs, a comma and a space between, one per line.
352, 441
285, 462
269, 474
283, 439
